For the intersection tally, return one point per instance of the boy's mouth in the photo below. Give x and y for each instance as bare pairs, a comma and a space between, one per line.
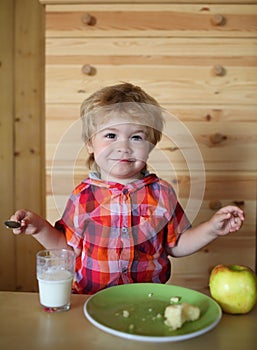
125, 160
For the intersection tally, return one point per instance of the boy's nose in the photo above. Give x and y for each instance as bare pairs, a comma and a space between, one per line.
123, 146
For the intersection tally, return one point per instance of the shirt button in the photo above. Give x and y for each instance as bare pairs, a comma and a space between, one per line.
124, 230
125, 191
124, 270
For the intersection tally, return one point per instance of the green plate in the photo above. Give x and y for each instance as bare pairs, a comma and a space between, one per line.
144, 305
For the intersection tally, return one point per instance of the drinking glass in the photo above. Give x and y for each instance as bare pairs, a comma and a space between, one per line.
55, 273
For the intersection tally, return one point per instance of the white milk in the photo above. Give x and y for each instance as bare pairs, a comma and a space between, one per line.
55, 288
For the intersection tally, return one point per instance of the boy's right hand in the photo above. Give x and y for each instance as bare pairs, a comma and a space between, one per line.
30, 222
46, 234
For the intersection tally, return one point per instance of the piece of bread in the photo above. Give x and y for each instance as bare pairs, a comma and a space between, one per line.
177, 315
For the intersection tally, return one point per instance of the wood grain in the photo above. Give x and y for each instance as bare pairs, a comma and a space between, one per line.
7, 242
67, 83
157, 20
22, 135
75, 2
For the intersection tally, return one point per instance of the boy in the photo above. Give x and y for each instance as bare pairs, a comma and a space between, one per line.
122, 221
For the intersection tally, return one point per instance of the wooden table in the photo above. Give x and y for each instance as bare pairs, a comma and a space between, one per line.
23, 325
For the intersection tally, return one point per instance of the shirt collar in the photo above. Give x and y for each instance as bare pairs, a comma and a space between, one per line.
94, 179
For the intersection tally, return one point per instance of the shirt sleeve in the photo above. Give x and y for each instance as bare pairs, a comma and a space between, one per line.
70, 223
178, 221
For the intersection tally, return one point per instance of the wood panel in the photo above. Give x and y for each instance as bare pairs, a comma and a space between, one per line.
68, 84
75, 2
193, 271
29, 120
22, 135
68, 114
176, 70
157, 20
7, 243
170, 70
164, 51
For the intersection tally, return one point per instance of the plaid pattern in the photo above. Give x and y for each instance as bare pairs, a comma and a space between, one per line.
122, 231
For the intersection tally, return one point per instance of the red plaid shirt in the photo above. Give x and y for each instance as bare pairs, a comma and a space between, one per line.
122, 231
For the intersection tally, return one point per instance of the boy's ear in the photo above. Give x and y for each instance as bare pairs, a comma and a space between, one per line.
89, 147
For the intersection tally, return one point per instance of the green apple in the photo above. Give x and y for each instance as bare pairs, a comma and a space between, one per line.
234, 287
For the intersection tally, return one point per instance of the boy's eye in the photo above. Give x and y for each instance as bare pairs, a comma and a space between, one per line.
137, 137
110, 135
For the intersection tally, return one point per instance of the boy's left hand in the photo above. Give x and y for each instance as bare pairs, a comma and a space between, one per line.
227, 219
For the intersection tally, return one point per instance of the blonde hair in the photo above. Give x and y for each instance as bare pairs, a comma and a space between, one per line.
123, 100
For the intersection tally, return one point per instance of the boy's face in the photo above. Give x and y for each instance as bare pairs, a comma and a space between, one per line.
120, 150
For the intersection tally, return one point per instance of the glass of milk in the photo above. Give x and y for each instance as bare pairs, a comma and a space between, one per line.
55, 273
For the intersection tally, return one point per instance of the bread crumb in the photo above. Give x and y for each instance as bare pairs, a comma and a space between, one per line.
174, 300
177, 315
125, 313
131, 327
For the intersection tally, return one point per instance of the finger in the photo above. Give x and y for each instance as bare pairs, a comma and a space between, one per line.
23, 217
19, 215
233, 210
24, 222
17, 231
239, 215
235, 224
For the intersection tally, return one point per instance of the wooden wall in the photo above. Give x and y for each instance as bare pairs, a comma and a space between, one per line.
22, 176
199, 61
